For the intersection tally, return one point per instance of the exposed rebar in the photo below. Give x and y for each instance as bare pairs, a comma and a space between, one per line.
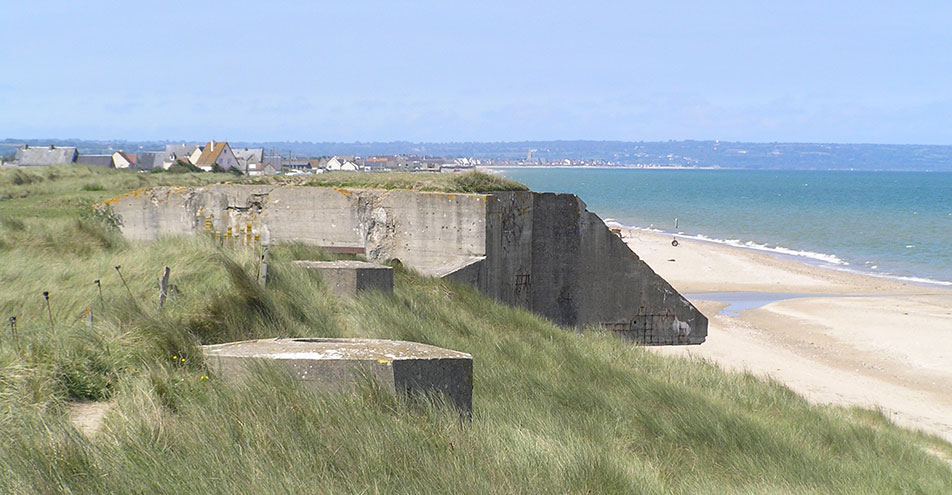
124, 284
102, 303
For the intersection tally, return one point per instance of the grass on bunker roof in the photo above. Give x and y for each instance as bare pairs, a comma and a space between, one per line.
459, 182
555, 411
58, 191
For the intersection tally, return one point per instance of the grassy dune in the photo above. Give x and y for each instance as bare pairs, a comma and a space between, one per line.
554, 411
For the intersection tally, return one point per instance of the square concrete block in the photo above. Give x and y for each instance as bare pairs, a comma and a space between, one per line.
403, 368
347, 278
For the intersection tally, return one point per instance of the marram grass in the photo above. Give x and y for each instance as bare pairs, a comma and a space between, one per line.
555, 411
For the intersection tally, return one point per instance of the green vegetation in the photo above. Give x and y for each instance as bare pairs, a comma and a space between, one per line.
70, 191
554, 411
468, 182
179, 167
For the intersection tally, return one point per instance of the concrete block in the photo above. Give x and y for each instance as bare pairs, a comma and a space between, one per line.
403, 368
347, 278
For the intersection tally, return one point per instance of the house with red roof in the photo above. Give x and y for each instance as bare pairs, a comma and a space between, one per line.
121, 159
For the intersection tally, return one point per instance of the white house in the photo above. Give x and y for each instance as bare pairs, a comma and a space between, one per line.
342, 163
185, 152
122, 159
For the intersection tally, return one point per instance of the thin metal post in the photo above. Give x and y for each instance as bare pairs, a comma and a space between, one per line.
119, 271
102, 303
49, 310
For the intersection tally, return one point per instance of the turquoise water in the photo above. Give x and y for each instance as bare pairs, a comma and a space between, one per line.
896, 224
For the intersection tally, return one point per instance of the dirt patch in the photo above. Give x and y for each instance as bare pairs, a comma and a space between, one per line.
87, 417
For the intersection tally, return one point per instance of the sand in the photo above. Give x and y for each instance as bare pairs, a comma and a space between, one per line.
855, 340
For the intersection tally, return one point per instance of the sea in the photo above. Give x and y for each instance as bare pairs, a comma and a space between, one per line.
887, 224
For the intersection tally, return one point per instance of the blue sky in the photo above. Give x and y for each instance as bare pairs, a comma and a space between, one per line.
478, 71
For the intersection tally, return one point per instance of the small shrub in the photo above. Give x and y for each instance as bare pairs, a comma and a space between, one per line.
183, 167
106, 216
87, 379
12, 224
479, 182
93, 187
21, 178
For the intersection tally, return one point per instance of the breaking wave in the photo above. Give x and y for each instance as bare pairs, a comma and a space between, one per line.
824, 259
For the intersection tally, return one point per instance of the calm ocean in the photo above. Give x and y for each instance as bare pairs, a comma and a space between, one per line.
896, 224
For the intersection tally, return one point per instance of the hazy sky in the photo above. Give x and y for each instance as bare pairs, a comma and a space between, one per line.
804, 71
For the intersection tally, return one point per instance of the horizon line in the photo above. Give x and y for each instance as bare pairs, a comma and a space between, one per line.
19, 140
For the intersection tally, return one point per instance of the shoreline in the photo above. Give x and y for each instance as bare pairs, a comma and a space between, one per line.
849, 338
812, 258
496, 168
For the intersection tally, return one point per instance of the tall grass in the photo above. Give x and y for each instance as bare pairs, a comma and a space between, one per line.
555, 411
465, 182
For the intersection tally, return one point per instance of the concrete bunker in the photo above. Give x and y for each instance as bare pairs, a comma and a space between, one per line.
403, 368
542, 251
349, 278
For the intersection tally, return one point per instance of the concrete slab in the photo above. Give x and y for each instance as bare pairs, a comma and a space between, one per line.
348, 278
405, 368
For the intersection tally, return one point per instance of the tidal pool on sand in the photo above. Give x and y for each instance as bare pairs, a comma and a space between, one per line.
742, 301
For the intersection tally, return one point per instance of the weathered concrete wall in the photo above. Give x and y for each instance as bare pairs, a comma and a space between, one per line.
509, 229
542, 251
349, 278
424, 230
407, 368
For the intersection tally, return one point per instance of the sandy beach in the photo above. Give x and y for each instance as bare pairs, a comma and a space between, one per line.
848, 338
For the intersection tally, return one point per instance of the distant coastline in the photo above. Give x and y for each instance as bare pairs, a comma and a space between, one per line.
688, 154
601, 167
883, 224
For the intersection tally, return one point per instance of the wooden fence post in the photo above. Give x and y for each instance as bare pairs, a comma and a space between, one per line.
164, 287
263, 268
